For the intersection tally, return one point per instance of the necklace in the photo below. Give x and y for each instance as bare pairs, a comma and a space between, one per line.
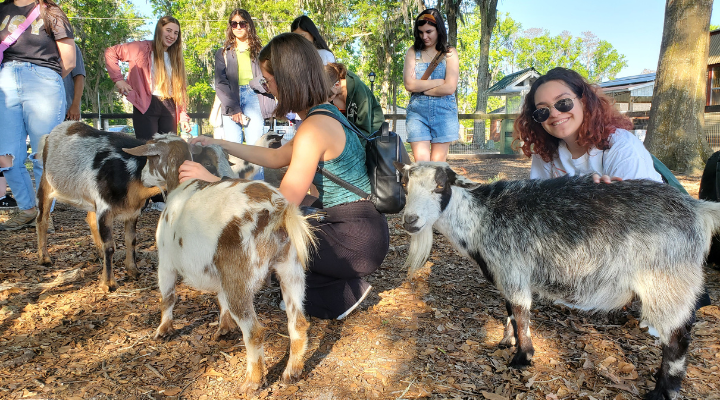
428, 54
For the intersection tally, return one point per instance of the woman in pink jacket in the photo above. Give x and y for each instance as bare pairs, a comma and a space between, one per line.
156, 84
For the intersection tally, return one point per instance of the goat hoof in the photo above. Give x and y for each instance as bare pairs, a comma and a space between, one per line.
164, 330
249, 387
659, 394
507, 342
222, 331
44, 260
109, 286
521, 360
290, 376
132, 272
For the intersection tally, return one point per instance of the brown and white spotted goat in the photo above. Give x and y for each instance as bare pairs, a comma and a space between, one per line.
226, 237
88, 169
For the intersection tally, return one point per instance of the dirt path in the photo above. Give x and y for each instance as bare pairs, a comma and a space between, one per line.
61, 337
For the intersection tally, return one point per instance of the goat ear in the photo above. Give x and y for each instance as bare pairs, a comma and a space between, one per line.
143, 150
460, 180
400, 166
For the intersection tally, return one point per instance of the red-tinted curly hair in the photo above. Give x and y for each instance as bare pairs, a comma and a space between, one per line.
600, 118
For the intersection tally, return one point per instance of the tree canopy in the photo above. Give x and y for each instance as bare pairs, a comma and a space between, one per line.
365, 35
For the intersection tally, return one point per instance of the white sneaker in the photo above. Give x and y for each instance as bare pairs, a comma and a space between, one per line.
651, 329
345, 314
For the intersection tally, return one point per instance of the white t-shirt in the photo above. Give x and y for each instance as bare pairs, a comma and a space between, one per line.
627, 158
168, 70
327, 57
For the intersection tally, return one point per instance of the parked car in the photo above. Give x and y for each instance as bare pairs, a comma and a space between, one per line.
121, 128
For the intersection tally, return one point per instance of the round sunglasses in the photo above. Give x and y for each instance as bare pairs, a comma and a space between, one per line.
241, 24
541, 114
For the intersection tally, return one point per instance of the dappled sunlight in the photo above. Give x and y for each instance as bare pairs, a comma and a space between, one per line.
433, 336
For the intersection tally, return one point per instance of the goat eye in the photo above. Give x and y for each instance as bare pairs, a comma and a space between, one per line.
439, 188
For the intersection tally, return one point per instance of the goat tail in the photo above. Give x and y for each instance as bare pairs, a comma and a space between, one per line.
41, 148
709, 212
300, 233
419, 250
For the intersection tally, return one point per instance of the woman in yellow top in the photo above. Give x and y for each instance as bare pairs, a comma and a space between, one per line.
237, 79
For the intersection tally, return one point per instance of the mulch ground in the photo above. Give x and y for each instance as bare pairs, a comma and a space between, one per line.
436, 337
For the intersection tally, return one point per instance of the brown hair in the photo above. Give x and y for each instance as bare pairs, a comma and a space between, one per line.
336, 71
600, 118
253, 39
50, 12
301, 80
177, 64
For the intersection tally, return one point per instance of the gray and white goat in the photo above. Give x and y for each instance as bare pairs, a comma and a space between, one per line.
87, 168
595, 246
226, 237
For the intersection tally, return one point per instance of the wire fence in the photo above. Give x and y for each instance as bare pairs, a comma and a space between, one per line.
497, 137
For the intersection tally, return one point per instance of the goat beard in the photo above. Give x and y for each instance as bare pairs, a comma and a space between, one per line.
419, 251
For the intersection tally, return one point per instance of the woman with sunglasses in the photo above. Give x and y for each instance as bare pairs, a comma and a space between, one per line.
569, 127
306, 28
354, 99
353, 238
238, 78
156, 84
432, 113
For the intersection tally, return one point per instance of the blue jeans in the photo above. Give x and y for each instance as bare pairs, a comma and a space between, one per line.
235, 132
32, 103
433, 119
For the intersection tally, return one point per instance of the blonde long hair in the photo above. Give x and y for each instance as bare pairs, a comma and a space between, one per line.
178, 83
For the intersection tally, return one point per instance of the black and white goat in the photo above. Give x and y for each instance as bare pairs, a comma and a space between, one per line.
594, 246
88, 169
226, 237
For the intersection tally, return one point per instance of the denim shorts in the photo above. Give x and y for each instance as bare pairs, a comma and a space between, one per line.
431, 118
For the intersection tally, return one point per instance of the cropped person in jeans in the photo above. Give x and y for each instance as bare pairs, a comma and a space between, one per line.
237, 77
156, 85
432, 114
353, 238
74, 84
31, 94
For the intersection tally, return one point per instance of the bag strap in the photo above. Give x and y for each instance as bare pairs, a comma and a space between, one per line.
13, 37
667, 175
334, 178
343, 121
433, 64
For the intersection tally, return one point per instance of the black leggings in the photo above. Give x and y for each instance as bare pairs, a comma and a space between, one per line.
352, 243
159, 118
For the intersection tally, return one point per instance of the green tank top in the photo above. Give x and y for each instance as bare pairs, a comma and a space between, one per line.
349, 165
244, 67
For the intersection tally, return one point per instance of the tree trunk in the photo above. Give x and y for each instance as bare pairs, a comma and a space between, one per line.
452, 10
676, 126
488, 8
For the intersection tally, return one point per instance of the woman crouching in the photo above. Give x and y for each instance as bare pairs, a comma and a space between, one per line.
353, 238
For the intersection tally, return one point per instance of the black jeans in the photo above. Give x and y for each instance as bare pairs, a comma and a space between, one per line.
159, 118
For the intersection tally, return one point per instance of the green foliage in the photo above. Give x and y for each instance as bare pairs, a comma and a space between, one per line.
513, 49
367, 36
